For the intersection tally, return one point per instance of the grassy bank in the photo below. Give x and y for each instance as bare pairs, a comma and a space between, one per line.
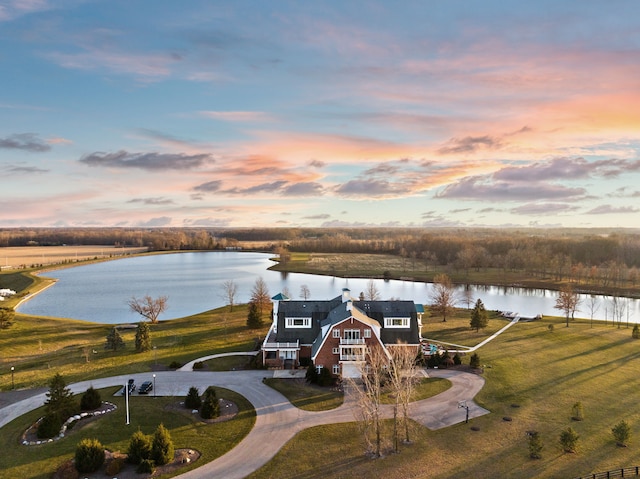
211, 440
38, 347
534, 375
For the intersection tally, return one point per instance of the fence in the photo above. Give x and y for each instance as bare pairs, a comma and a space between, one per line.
625, 472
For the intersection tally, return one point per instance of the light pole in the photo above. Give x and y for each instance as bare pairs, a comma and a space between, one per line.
12, 383
154, 385
126, 400
463, 404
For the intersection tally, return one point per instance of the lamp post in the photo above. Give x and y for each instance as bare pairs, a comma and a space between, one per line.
126, 400
12, 383
154, 385
463, 404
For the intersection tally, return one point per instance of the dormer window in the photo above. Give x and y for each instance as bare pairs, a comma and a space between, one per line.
298, 323
396, 322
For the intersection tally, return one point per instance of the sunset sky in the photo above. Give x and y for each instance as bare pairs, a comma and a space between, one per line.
326, 113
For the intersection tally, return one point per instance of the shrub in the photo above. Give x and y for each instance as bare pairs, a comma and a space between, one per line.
175, 365
90, 400
550, 327
635, 333
210, 406
146, 466
49, 426
311, 375
162, 446
474, 362
198, 365
139, 448
457, 360
89, 455
569, 440
535, 445
325, 378
114, 466
193, 400
621, 433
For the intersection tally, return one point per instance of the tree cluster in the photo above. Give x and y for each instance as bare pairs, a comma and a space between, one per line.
155, 450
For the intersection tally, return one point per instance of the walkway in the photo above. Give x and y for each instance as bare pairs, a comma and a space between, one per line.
277, 420
471, 349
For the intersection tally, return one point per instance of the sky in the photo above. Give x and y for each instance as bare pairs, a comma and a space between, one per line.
424, 113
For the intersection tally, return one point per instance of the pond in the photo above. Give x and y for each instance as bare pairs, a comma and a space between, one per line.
194, 283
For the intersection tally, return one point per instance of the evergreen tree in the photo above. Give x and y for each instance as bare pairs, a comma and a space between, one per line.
311, 375
90, 400
143, 337
210, 406
162, 446
635, 333
193, 400
114, 340
60, 398
474, 361
622, 433
89, 455
139, 448
254, 321
569, 440
479, 317
535, 445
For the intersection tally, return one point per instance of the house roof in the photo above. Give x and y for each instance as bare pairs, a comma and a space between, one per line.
328, 312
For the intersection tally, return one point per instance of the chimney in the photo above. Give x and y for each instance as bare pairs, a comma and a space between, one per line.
346, 295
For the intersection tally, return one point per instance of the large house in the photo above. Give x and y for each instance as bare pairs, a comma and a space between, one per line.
335, 333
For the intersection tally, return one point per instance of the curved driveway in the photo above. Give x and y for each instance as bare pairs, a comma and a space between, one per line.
277, 420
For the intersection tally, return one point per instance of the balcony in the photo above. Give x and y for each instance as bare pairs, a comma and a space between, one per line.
280, 346
352, 357
359, 341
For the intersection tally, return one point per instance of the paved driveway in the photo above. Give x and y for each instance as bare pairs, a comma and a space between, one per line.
277, 420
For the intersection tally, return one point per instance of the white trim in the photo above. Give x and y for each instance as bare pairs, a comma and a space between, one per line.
295, 322
397, 322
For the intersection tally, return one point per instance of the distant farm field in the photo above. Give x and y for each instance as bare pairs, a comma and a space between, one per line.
32, 256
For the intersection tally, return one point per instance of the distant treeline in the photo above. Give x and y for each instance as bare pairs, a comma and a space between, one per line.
610, 257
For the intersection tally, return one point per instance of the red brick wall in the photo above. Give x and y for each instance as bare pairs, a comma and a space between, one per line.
326, 357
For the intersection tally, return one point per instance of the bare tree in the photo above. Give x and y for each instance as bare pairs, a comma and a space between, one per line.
260, 296
304, 292
443, 298
369, 414
149, 307
229, 291
567, 301
593, 307
619, 309
372, 293
403, 375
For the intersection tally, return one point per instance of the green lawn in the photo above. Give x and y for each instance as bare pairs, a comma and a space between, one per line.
38, 347
307, 396
212, 440
533, 376
426, 388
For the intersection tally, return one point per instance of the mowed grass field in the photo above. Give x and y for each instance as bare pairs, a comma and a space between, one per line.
29, 256
534, 375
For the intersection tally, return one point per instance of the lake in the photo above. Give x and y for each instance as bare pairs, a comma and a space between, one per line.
193, 282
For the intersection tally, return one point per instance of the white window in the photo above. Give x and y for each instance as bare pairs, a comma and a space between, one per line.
396, 322
336, 350
298, 322
336, 369
319, 368
336, 333
367, 333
